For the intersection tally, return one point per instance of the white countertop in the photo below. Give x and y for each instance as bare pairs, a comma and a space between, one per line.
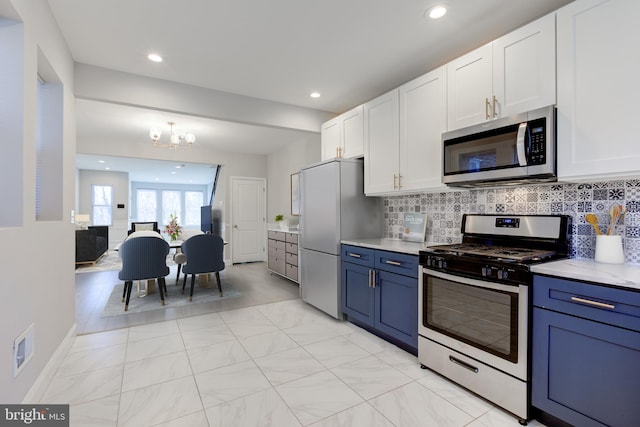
292, 230
394, 245
620, 275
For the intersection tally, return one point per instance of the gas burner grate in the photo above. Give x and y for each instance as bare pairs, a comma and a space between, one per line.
494, 252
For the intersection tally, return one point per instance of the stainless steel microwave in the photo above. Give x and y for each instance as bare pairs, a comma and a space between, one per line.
516, 149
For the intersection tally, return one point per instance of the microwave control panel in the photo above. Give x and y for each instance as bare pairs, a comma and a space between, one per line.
537, 142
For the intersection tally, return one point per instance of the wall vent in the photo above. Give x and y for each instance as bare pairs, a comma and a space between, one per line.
22, 350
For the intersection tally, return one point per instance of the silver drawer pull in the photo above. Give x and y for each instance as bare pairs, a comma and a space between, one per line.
354, 255
594, 303
463, 364
394, 263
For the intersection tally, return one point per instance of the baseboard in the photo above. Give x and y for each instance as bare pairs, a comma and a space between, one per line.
44, 379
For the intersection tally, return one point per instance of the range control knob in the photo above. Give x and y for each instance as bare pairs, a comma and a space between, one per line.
502, 274
486, 271
442, 263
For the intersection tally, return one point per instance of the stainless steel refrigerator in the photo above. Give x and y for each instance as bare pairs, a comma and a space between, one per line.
333, 208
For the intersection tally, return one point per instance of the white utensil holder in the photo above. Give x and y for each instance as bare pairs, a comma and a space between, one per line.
609, 249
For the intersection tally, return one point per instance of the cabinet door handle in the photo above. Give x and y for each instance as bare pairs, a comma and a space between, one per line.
369, 278
399, 182
395, 186
393, 262
486, 108
495, 111
351, 254
593, 303
373, 278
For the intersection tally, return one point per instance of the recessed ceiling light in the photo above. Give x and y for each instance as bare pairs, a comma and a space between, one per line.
100, 161
154, 57
315, 94
107, 168
437, 11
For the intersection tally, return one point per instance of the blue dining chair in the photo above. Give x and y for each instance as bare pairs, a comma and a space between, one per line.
204, 254
143, 258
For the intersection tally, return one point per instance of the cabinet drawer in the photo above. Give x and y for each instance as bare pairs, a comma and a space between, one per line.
276, 245
277, 264
291, 238
292, 272
276, 235
358, 255
395, 262
292, 258
617, 307
291, 248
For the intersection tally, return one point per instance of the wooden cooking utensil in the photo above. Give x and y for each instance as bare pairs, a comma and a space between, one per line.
593, 220
614, 211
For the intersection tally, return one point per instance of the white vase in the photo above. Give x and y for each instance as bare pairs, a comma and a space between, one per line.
609, 249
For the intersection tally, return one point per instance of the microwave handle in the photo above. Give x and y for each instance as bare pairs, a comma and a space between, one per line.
522, 155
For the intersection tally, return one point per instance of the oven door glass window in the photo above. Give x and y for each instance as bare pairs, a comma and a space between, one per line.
496, 149
482, 317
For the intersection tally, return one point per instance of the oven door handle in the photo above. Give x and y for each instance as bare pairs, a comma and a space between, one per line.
520, 140
513, 289
463, 364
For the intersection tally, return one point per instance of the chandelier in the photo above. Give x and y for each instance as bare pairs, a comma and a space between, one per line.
178, 138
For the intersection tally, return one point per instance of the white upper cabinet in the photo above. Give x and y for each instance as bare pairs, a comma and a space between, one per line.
598, 87
353, 133
423, 118
382, 141
330, 138
515, 73
403, 137
343, 136
524, 68
469, 88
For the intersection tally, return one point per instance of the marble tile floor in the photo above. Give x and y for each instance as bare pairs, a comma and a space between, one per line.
256, 284
278, 363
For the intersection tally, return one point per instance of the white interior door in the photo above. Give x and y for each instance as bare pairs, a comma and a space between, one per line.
248, 216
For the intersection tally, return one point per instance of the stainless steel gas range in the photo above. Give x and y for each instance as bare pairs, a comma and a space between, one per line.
474, 303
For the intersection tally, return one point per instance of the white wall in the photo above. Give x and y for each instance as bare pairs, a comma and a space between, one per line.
38, 266
281, 165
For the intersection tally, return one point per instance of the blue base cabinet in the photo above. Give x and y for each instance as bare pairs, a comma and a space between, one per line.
586, 353
380, 292
358, 300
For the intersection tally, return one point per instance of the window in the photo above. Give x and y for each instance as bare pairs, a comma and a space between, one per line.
171, 206
101, 207
147, 204
156, 202
193, 200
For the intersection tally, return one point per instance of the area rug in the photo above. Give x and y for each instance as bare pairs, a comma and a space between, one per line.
111, 261
115, 306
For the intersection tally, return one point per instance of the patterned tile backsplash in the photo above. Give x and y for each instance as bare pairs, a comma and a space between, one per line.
444, 210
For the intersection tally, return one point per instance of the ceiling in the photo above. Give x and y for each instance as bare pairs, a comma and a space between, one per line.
277, 50
145, 170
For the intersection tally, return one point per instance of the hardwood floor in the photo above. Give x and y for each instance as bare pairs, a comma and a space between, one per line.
256, 284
